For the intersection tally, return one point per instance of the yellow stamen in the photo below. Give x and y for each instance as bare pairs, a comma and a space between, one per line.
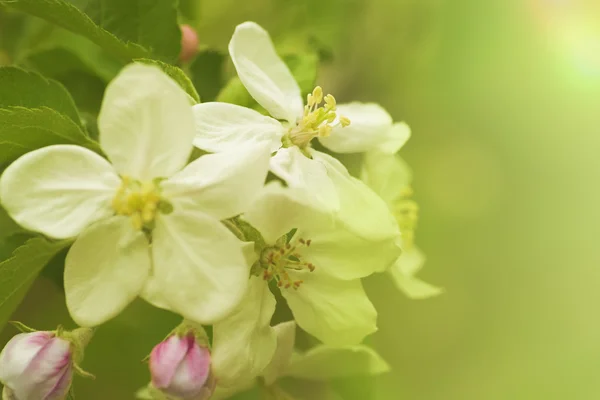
137, 200
277, 260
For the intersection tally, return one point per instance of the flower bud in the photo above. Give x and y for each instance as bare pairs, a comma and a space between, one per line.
180, 367
36, 365
189, 43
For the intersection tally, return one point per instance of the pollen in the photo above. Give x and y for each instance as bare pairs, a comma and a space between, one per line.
140, 201
406, 212
277, 261
319, 118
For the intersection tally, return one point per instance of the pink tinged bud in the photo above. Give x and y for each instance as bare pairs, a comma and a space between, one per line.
189, 43
36, 366
180, 367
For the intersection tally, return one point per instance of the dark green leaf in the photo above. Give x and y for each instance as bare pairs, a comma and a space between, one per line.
71, 18
207, 74
177, 75
28, 89
26, 129
150, 23
18, 272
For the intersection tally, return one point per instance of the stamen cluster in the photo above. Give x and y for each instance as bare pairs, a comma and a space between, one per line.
284, 256
139, 200
318, 120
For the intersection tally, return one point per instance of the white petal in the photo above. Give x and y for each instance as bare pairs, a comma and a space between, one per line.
263, 73
336, 312
403, 271
223, 127
146, 123
278, 210
199, 264
307, 175
387, 174
286, 338
105, 270
244, 342
368, 129
323, 363
395, 138
222, 185
361, 210
18, 353
58, 190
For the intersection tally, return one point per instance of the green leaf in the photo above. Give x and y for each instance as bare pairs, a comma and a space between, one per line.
71, 18
177, 75
25, 129
18, 272
324, 363
304, 68
31, 90
150, 23
207, 74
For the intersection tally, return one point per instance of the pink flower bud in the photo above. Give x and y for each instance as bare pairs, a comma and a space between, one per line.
36, 366
189, 43
181, 368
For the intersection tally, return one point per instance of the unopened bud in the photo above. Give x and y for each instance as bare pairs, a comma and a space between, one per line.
180, 367
37, 365
189, 43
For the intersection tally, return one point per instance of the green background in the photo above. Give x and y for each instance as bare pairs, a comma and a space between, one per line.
503, 97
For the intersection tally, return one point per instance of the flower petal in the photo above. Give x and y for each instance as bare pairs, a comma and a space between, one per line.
307, 175
278, 210
263, 73
146, 123
165, 358
244, 343
334, 311
222, 185
199, 264
223, 127
403, 271
286, 338
368, 129
361, 210
395, 138
323, 363
59, 190
387, 174
18, 353
105, 270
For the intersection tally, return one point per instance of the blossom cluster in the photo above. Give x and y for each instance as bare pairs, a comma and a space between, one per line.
213, 238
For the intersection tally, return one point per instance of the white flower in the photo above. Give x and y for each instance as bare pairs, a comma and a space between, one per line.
319, 267
36, 365
146, 192
389, 176
288, 133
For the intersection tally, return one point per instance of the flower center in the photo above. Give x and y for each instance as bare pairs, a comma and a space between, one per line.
141, 201
406, 212
318, 120
277, 260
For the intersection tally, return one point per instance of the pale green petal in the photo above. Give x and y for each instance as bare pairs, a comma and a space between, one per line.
403, 271
200, 266
387, 174
324, 363
368, 129
395, 138
146, 123
361, 211
222, 185
336, 312
308, 176
263, 73
105, 270
222, 393
244, 342
59, 190
286, 338
224, 127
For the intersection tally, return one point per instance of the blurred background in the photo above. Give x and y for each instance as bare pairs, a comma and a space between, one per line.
503, 97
